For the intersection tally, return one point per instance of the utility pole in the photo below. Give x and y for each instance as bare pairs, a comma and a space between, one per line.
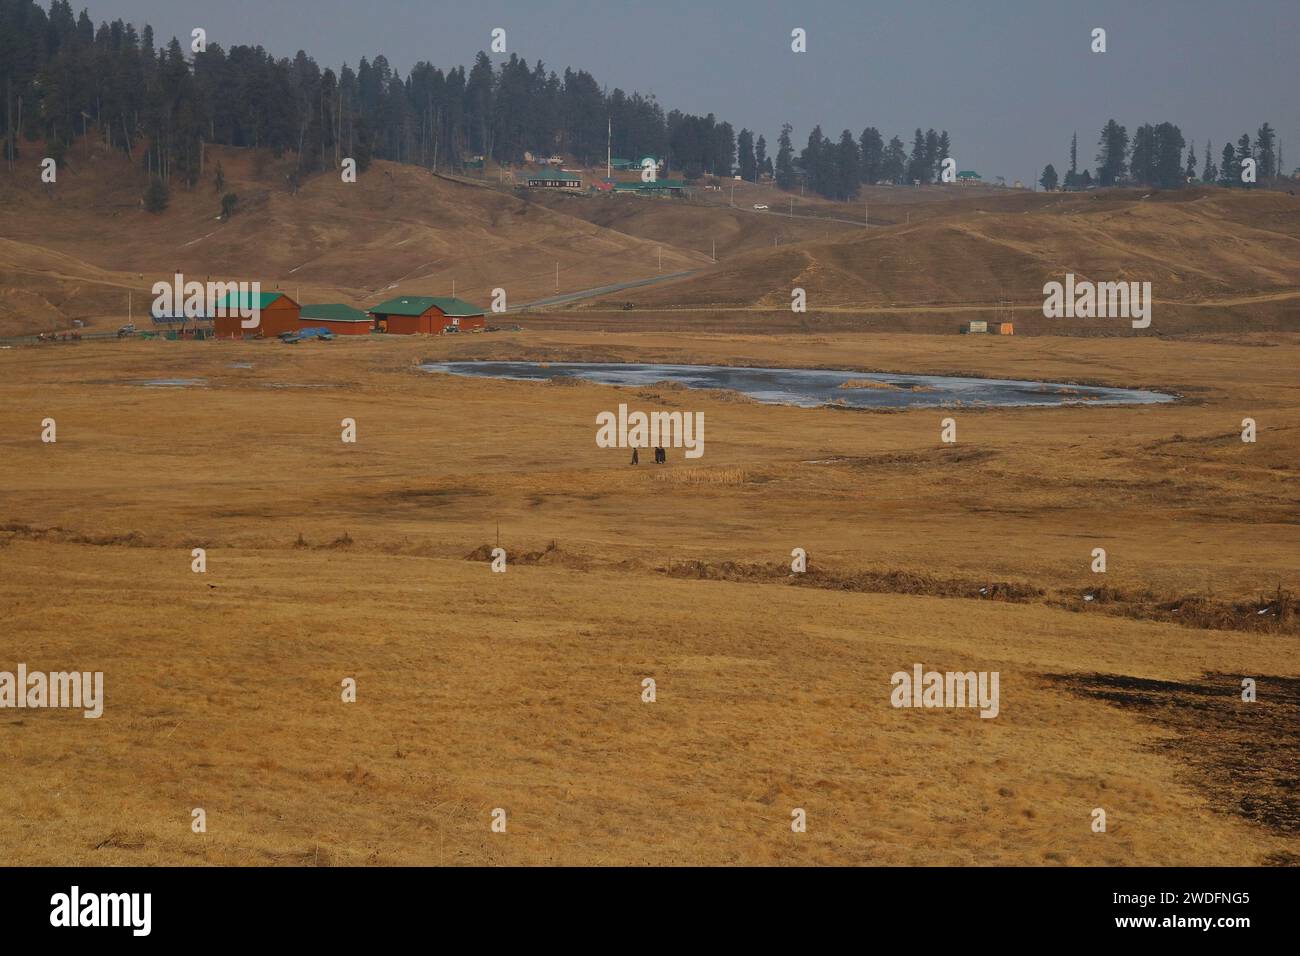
715, 250
557, 275
609, 138
733, 194
866, 213
660, 250
791, 207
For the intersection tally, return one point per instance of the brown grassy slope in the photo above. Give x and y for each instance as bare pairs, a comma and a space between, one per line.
1204, 248
704, 226
523, 690
76, 247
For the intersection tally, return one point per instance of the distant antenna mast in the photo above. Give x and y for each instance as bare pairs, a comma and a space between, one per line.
609, 138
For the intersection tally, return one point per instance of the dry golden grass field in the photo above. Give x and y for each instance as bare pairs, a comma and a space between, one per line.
523, 690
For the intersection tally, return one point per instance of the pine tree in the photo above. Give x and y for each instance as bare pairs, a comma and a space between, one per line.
1265, 139
745, 152
761, 163
1229, 171
785, 158
1190, 172
1111, 166
894, 169
1209, 172
1142, 159
871, 155
1243, 153
813, 162
847, 167
1072, 175
1168, 156
1048, 179
918, 166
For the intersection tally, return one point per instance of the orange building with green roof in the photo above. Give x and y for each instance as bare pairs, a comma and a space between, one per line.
427, 315
277, 313
339, 319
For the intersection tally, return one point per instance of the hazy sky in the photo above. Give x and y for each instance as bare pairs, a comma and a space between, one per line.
1009, 79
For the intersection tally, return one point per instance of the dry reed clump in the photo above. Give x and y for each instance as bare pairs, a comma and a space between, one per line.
864, 581
552, 554
703, 476
131, 539
1276, 613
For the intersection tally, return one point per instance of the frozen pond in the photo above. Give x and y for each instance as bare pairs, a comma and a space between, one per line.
814, 387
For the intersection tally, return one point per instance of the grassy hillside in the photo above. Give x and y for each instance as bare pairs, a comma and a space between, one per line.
74, 249
1217, 259
1203, 251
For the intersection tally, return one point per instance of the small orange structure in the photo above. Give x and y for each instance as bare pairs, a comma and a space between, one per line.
1006, 328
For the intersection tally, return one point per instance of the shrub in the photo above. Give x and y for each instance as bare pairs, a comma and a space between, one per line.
156, 195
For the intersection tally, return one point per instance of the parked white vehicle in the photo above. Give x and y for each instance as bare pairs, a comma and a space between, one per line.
760, 205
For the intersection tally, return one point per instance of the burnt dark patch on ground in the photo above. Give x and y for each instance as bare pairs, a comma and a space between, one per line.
1244, 756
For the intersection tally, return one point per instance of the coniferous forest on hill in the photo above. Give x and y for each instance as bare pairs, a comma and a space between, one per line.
65, 77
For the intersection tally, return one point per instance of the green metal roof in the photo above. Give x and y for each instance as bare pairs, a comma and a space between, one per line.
334, 312
246, 301
420, 304
969, 174
654, 184
557, 174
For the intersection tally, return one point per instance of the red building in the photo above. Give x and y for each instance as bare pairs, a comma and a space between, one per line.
427, 315
277, 313
339, 319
